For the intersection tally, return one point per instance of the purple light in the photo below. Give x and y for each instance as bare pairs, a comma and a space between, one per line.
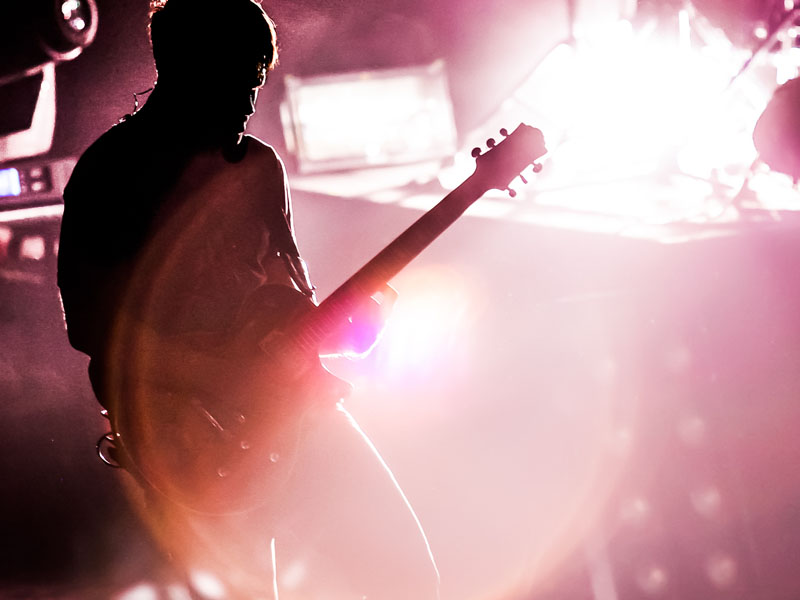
9, 182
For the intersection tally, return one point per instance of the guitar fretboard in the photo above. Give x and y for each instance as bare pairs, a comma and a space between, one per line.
386, 264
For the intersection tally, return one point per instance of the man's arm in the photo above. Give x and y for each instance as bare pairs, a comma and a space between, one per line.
362, 331
357, 336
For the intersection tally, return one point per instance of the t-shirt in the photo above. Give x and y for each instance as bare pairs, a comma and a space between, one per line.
178, 237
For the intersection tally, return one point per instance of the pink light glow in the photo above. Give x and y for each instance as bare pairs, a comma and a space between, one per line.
639, 125
429, 323
620, 103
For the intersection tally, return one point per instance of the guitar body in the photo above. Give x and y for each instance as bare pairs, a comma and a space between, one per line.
226, 441
231, 449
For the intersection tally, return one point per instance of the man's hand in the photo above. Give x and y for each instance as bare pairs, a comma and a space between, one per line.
357, 337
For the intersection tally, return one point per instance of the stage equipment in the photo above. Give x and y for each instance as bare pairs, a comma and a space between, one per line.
369, 118
28, 125
777, 133
35, 35
34, 183
29, 244
650, 122
30, 216
36, 32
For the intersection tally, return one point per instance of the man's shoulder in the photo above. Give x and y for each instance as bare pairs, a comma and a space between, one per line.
260, 151
98, 161
117, 139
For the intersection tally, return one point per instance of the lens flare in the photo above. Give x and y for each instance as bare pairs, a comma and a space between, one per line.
428, 328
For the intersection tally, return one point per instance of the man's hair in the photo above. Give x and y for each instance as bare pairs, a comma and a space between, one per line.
195, 36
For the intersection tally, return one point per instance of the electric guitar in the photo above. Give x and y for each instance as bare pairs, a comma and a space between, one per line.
228, 452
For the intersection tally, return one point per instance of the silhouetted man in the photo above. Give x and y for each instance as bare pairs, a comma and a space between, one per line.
175, 224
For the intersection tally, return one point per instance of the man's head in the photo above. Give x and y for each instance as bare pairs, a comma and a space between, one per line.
221, 50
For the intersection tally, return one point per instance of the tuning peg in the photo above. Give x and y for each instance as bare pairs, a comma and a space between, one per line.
490, 143
511, 192
522, 178
537, 167
504, 132
476, 152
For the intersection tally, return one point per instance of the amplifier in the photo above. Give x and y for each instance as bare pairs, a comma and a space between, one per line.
34, 183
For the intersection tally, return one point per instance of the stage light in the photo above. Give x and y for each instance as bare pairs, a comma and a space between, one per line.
37, 32
35, 35
78, 24
643, 124
9, 183
27, 129
624, 106
369, 118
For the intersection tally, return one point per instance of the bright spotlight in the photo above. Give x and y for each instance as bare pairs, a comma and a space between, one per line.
9, 183
426, 327
77, 18
626, 105
364, 119
646, 127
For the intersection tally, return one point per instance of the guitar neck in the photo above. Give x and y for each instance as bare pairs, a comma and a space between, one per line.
494, 170
388, 262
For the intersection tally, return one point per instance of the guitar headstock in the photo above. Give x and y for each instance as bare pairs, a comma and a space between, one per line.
506, 159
